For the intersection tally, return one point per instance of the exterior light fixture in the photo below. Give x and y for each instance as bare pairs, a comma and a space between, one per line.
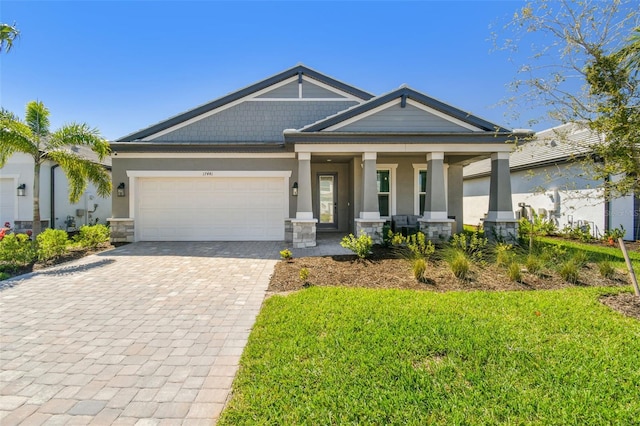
120, 190
22, 190
294, 189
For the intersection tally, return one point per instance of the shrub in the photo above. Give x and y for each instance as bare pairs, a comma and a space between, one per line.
91, 236
361, 245
515, 274
51, 243
419, 269
16, 250
304, 275
580, 259
286, 254
474, 246
606, 269
533, 264
419, 246
612, 235
569, 271
4, 276
459, 265
504, 254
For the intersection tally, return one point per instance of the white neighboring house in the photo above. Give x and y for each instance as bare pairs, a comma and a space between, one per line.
546, 179
54, 196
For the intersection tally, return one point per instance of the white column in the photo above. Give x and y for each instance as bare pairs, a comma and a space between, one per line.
304, 208
370, 209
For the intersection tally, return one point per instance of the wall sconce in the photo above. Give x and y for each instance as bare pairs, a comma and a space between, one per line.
294, 189
120, 190
22, 190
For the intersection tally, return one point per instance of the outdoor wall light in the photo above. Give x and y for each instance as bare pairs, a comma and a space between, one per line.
22, 190
294, 189
120, 190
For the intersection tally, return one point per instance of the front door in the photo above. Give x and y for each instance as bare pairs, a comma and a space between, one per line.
328, 200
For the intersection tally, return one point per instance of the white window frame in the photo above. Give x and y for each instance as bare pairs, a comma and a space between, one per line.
392, 187
417, 168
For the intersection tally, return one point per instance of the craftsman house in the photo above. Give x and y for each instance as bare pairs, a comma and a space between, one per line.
300, 153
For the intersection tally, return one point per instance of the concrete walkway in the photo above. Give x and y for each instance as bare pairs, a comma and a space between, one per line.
149, 333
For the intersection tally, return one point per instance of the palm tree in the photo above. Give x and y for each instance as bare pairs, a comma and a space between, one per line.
8, 33
34, 138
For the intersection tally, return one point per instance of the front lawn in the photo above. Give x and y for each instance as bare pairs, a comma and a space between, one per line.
359, 356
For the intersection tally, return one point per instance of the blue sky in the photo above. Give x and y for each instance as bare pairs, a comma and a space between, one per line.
124, 65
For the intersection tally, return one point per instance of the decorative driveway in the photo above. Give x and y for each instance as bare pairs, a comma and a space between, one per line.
148, 333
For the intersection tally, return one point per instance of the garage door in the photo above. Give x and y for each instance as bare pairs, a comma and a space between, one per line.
7, 199
210, 209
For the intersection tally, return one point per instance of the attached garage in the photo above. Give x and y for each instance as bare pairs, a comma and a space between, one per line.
215, 206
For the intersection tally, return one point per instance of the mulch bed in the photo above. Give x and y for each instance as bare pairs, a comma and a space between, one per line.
384, 270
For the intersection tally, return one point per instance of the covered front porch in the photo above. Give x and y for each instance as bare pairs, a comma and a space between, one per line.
357, 188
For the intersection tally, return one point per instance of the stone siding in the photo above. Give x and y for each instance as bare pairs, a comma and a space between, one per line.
20, 226
437, 231
502, 231
122, 230
372, 228
301, 233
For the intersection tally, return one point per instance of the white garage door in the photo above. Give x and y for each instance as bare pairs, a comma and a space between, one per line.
7, 200
210, 209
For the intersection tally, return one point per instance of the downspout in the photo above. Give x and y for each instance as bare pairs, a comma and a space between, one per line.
52, 219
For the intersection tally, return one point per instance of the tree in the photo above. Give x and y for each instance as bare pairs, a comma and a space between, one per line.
583, 69
8, 33
33, 137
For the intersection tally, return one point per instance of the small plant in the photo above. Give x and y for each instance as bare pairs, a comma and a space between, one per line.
51, 243
4, 276
419, 269
361, 245
474, 246
504, 254
514, 272
606, 269
286, 255
569, 271
459, 265
16, 250
304, 275
419, 246
580, 259
91, 236
533, 264
612, 235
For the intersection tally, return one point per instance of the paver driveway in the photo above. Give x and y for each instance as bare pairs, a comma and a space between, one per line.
149, 333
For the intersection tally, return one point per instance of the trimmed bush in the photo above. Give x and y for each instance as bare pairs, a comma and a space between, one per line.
286, 254
51, 243
16, 250
91, 236
361, 245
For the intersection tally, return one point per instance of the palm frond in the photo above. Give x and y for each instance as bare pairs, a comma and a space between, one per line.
75, 134
79, 170
8, 34
15, 136
37, 118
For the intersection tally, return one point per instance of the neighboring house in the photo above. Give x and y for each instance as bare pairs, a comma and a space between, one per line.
300, 153
546, 178
54, 196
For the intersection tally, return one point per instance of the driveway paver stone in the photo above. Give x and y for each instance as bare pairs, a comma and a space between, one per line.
148, 333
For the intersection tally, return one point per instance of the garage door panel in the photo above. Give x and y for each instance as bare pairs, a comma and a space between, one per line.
210, 209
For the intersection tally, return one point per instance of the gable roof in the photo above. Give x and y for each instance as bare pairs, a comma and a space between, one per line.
298, 70
403, 93
550, 146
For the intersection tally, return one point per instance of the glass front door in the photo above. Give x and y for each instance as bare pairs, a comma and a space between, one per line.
327, 203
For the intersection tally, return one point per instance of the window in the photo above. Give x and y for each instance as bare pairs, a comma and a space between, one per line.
422, 190
384, 191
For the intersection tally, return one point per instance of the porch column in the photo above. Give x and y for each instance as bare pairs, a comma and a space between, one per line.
304, 209
435, 223
301, 231
369, 221
455, 195
500, 223
370, 208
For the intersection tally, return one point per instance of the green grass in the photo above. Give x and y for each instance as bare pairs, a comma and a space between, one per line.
357, 356
594, 253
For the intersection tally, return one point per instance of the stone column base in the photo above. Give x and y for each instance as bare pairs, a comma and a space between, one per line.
122, 230
22, 226
300, 232
437, 230
371, 227
505, 231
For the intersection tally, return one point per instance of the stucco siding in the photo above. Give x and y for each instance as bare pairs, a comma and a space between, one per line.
407, 119
255, 121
